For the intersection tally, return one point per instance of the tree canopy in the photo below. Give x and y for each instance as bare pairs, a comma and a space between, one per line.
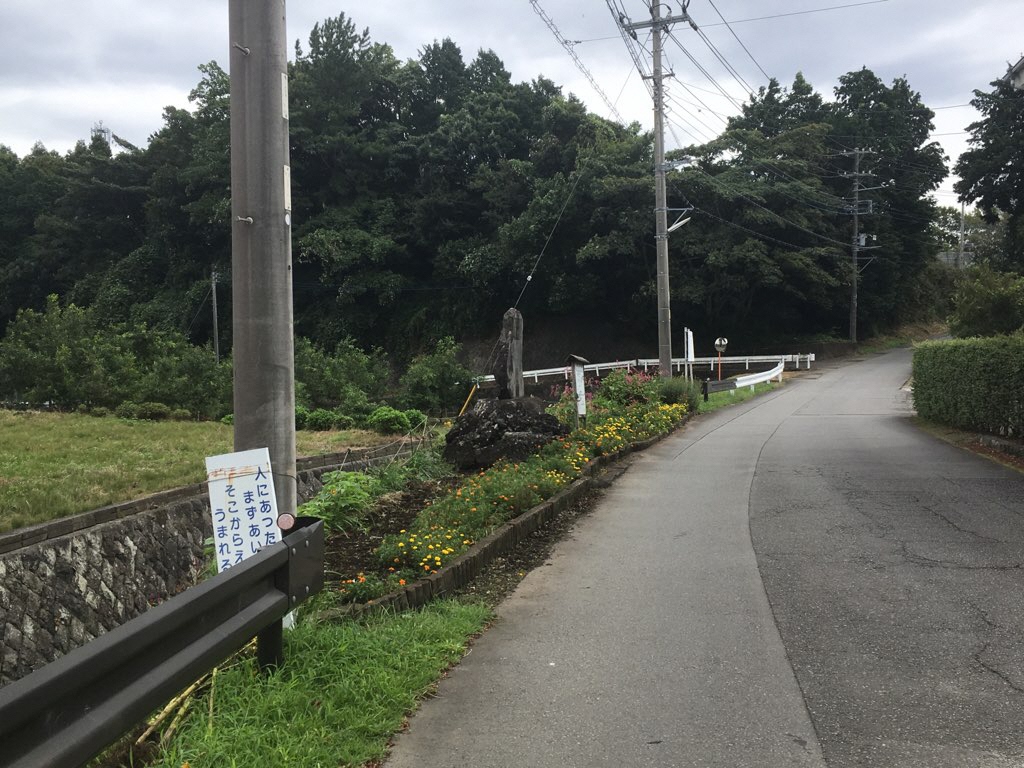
992, 170
431, 194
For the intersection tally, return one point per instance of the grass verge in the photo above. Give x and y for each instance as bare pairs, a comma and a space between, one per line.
56, 464
718, 400
344, 689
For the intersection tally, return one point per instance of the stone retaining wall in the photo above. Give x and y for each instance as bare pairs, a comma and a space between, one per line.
65, 583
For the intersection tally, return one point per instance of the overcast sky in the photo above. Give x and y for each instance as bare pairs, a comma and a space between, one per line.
66, 66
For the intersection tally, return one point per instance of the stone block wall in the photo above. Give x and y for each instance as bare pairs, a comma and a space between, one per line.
67, 582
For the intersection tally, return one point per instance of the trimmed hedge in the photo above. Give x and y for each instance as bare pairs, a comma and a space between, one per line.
974, 384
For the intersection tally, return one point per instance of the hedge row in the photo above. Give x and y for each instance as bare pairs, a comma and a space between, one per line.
974, 384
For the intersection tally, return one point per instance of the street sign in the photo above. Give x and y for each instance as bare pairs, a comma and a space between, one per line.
242, 504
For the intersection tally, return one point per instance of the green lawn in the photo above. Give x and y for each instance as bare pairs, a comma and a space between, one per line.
56, 464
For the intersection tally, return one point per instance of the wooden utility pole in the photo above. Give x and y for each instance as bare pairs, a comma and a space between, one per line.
261, 254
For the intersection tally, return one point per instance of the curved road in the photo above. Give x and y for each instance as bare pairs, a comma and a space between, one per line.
802, 580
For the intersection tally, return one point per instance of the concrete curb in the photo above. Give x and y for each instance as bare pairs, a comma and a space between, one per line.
1002, 444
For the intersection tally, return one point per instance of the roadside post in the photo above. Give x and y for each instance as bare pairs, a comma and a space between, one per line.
720, 344
576, 363
690, 355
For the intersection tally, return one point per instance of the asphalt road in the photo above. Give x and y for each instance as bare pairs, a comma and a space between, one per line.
895, 567
802, 580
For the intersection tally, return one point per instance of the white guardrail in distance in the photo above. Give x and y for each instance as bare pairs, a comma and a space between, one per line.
756, 378
678, 364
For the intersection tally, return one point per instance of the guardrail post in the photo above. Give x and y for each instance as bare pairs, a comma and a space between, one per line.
270, 646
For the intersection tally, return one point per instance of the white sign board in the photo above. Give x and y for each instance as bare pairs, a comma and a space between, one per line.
242, 504
581, 393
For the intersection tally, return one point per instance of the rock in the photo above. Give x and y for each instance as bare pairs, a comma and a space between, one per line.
495, 429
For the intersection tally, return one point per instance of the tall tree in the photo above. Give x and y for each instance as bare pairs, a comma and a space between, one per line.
992, 170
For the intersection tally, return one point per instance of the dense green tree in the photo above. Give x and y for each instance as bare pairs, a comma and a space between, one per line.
987, 303
992, 170
894, 125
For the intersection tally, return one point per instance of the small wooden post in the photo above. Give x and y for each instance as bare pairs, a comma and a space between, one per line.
512, 332
576, 363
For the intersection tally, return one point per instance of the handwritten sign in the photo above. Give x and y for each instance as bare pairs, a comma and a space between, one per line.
242, 504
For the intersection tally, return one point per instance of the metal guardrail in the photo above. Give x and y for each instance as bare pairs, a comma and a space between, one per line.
66, 712
678, 364
708, 386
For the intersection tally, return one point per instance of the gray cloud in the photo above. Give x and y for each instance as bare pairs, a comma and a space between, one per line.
122, 61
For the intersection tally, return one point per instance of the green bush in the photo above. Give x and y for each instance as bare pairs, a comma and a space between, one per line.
678, 389
987, 303
437, 381
625, 386
343, 501
301, 416
972, 384
153, 411
320, 420
388, 420
343, 421
228, 419
347, 379
127, 410
180, 414
67, 356
417, 418
99, 411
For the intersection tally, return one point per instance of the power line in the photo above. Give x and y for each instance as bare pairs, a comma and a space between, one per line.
753, 202
576, 59
725, 62
800, 13
729, 27
752, 231
702, 70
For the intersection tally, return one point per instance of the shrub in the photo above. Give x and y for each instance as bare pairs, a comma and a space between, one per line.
127, 410
229, 419
301, 416
417, 418
180, 414
973, 384
343, 421
153, 411
343, 501
625, 386
987, 303
347, 378
320, 420
436, 381
99, 411
679, 390
388, 420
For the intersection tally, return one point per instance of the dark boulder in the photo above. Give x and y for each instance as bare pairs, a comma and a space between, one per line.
496, 429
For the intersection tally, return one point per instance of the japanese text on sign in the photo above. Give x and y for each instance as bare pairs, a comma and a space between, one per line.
242, 504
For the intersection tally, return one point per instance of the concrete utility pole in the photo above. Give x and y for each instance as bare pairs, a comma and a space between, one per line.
856, 245
261, 254
661, 203
216, 325
658, 25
